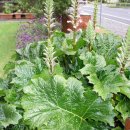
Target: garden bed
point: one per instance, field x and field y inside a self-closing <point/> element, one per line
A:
<point x="4" y="16"/>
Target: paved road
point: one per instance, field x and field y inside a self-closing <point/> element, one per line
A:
<point x="114" y="19"/>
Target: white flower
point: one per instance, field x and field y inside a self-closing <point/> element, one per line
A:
<point x="69" y="30"/>
<point x="74" y="27"/>
<point x="68" y="21"/>
<point x="80" y="21"/>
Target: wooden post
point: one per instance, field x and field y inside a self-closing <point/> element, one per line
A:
<point x="4" y="16"/>
<point x="127" y="124"/>
<point x="83" y="21"/>
<point x="66" y="25"/>
<point x="29" y="16"/>
<point x="17" y="15"/>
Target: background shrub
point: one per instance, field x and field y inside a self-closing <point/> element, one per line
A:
<point x="37" y="6"/>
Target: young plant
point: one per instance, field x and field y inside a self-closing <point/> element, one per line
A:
<point x="90" y="36"/>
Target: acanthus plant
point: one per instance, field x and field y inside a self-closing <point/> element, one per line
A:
<point x="63" y="83"/>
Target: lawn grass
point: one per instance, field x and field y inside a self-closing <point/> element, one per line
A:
<point x="7" y="42"/>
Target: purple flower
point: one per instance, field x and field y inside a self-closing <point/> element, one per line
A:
<point x="32" y="31"/>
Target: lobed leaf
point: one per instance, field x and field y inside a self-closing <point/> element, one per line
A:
<point x="60" y="104"/>
<point x="8" y="115"/>
<point x="123" y="107"/>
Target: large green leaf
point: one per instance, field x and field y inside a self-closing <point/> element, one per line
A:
<point x="13" y="96"/>
<point x="106" y="79"/>
<point x="3" y="86"/>
<point x="107" y="45"/>
<point x="31" y="51"/>
<point x="125" y="89"/>
<point x="8" y="115"/>
<point x="107" y="85"/>
<point x="60" y="104"/>
<point x="91" y="58"/>
<point x="93" y="63"/>
<point x="24" y="72"/>
<point x="24" y="69"/>
<point x="1" y="128"/>
<point x="124" y="107"/>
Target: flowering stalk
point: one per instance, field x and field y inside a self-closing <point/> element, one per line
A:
<point x="95" y="13"/>
<point x="49" y="20"/>
<point x="49" y="57"/>
<point x="74" y="19"/>
<point x="124" y="55"/>
<point x="90" y="35"/>
<point x="49" y="49"/>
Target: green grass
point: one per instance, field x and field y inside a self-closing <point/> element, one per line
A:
<point x="7" y="42"/>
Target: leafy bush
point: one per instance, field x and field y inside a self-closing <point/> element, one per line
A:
<point x="60" y="6"/>
<point x="37" y="6"/>
<point x="12" y="7"/>
<point x="8" y="8"/>
<point x="66" y="82"/>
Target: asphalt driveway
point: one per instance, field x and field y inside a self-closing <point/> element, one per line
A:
<point x="115" y="19"/>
